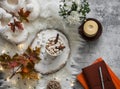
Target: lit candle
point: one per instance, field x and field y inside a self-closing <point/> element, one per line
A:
<point x="3" y="51"/>
<point x="72" y="84"/>
<point x="21" y="46"/>
<point x="8" y="79"/>
<point x="90" y="28"/>
<point x="29" y="87"/>
<point x="1" y="68"/>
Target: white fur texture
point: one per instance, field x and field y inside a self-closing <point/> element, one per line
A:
<point x="49" y="18"/>
<point x="4" y="14"/>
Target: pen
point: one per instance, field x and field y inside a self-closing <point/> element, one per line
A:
<point x="101" y="77"/>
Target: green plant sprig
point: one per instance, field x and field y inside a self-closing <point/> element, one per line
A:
<point x="84" y="9"/>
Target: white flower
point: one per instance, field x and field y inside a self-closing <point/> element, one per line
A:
<point x="69" y="4"/>
<point x="72" y="11"/>
<point x="75" y="14"/>
<point x="78" y="2"/>
<point x="73" y="18"/>
<point x="68" y="7"/>
<point x="61" y="3"/>
<point x="68" y="0"/>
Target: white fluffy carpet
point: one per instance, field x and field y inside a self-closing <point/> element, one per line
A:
<point x="49" y="18"/>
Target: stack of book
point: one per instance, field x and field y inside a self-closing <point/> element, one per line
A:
<point x="98" y="76"/>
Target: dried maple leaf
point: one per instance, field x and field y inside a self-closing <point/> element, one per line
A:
<point x="18" y="24"/>
<point x="15" y="24"/>
<point x="23" y="15"/>
<point x="5" y="58"/>
<point x="25" y="62"/>
<point x="28" y="71"/>
<point x="29" y="75"/>
<point x="33" y="54"/>
<point x="20" y="59"/>
<point x="13" y="64"/>
<point x="12" y="26"/>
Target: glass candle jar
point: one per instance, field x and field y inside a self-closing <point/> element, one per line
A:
<point x="90" y="29"/>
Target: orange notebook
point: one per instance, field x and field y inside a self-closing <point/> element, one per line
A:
<point x="115" y="79"/>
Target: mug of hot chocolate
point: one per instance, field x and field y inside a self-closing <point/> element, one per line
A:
<point x="55" y="46"/>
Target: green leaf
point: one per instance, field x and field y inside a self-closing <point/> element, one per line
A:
<point x="84" y="9"/>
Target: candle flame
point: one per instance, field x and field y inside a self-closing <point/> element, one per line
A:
<point x="8" y="79"/>
<point x="72" y="84"/>
<point x="3" y="51"/>
<point x="1" y="68"/>
<point x="21" y="46"/>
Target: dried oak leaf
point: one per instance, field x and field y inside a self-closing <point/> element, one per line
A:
<point x="23" y="15"/>
<point x="15" y="24"/>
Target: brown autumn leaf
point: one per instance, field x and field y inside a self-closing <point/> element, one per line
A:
<point x="29" y="75"/>
<point x="33" y="54"/>
<point x="5" y="58"/>
<point x="23" y="15"/>
<point x="13" y="64"/>
<point x="15" y="24"/>
<point x="12" y="26"/>
<point x="18" y="24"/>
<point x="25" y="62"/>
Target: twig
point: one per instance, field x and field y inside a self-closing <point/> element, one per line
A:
<point x="57" y="37"/>
<point x="15" y="71"/>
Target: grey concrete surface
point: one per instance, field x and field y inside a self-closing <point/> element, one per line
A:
<point x="108" y="45"/>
